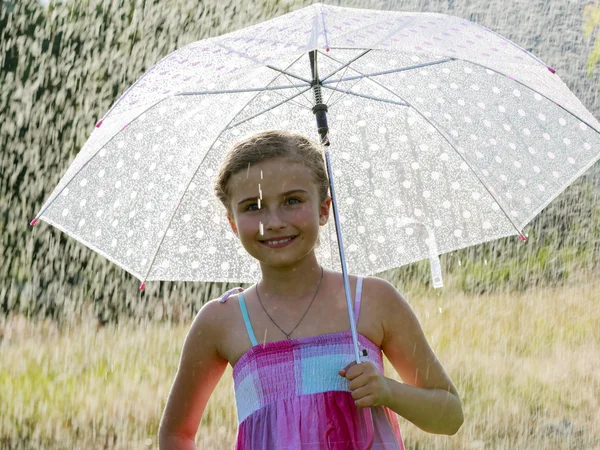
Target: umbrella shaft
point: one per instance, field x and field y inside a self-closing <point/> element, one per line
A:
<point x="343" y="260"/>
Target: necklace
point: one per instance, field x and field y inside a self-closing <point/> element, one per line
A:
<point x="311" y="302"/>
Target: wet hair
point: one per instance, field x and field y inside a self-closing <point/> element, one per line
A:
<point x="265" y="145"/>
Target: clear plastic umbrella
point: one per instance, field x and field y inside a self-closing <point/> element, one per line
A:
<point x="443" y="135"/>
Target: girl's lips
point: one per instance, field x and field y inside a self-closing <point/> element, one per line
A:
<point x="279" y="245"/>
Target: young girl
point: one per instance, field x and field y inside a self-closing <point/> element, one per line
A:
<point x="288" y="336"/>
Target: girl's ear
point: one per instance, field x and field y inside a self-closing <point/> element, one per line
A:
<point x="324" y="211"/>
<point x="232" y="225"/>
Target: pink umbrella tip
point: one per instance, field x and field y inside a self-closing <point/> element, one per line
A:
<point x="551" y="69"/>
<point x="327" y="49"/>
<point x="523" y="237"/>
<point x="33" y="222"/>
<point x="98" y="124"/>
<point x="143" y="286"/>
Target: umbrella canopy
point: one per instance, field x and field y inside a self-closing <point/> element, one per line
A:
<point x="443" y="135"/>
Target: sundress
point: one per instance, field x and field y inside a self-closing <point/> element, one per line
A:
<point x="288" y="393"/>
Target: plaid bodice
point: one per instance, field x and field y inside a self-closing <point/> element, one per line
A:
<point x="283" y="369"/>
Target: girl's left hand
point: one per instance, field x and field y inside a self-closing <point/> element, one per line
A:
<point x="368" y="386"/>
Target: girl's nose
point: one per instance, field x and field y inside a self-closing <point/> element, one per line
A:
<point x="273" y="219"/>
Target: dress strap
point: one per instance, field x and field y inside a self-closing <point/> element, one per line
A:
<point x="357" y="300"/>
<point x="242" y="303"/>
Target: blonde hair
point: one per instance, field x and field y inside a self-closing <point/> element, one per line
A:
<point x="265" y="145"/>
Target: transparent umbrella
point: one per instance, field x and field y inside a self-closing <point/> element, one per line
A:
<point x="443" y="135"/>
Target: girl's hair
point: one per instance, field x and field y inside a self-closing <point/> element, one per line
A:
<point x="265" y="145"/>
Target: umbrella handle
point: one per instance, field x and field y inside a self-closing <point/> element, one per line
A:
<point x="369" y="431"/>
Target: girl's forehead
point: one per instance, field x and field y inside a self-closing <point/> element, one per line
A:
<point x="273" y="175"/>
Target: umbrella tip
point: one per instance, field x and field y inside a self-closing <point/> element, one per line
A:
<point x="551" y="69"/>
<point x="523" y="237"/>
<point x="98" y="124"/>
<point x="327" y="48"/>
<point x="143" y="286"/>
<point x="33" y="222"/>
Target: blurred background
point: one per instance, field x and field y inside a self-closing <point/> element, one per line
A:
<point x="78" y="339"/>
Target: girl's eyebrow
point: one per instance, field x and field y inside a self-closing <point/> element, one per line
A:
<point x="283" y="194"/>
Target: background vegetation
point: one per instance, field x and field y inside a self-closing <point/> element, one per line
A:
<point x="62" y="67"/>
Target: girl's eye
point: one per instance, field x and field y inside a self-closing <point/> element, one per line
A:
<point x="256" y="204"/>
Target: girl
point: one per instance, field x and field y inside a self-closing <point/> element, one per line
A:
<point x="298" y="387"/>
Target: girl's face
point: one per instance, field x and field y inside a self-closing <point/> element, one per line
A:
<point x="289" y="206"/>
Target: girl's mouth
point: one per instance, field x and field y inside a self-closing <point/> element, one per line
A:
<point x="281" y="244"/>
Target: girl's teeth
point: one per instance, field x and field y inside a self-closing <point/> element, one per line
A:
<point x="278" y="242"/>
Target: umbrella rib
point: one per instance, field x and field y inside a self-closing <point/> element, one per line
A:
<point x="385" y="72"/>
<point x="285" y="100"/>
<point x="337" y="84"/>
<point x="237" y="91"/>
<point x="451" y="145"/>
<point x="366" y="96"/>
<point x="288" y="73"/>
<point x="531" y="89"/>
<point x="343" y="64"/>
<point x="298" y="104"/>
<point x="305" y="97"/>
<point x="225" y="128"/>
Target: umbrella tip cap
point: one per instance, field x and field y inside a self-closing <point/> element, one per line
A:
<point x="523" y="237"/>
<point x="33" y="222"/>
<point x="143" y="286"/>
<point x="551" y="69"/>
<point x="98" y="124"/>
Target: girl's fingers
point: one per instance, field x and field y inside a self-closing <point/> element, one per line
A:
<point x="360" y="392"/>
<point x="365" y="402"/>
<point x="358" y="383"/>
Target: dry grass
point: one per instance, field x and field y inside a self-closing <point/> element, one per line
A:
<point x="527" y="367"/>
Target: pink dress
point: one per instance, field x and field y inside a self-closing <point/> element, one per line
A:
<point x="289" y="392"/>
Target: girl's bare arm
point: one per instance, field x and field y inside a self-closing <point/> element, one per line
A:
<point x="427" y="398"/>
<point x="200" y="369"/>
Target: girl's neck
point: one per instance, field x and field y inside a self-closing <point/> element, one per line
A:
<point x="290" y="284"/>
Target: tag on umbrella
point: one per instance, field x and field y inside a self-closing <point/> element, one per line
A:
<point x="434" y="261"/>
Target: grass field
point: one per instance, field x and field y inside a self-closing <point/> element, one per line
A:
<point x="527" y="367"/>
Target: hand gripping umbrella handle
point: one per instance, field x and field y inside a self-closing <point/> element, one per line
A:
<point x="369" y="430"/>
